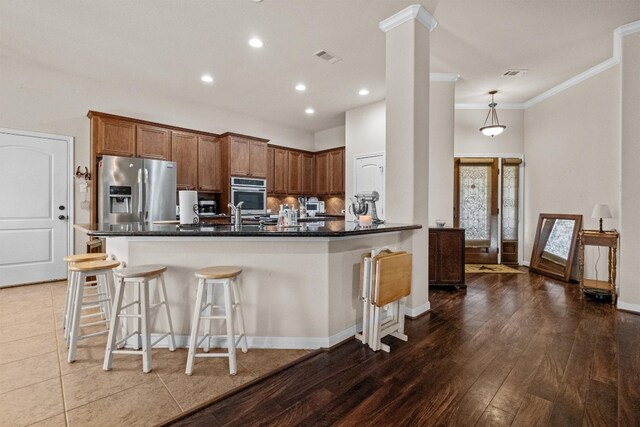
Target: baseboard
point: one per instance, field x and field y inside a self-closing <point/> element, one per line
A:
<point x="417" y="311"/>
<point x="344" y="335"/>
<point x="291" y="343"/>
<point x="633" y="308"/>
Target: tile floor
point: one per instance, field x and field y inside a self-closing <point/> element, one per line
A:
<point x="38" y="386"/>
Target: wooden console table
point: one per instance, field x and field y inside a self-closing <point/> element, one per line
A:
<point x="607" y="239"/>
<point x="446" y="257"/>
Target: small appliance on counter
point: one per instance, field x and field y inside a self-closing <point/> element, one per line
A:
<point x="364" y="204"/>
<point x="207" y="208"/>
<point x="313" y="204"/>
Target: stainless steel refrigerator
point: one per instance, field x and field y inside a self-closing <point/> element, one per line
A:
<point x="136" y="190"/>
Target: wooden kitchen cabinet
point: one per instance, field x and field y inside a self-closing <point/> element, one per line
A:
<point x="209" y="164"/>
<point x="271" y="154"/>
<point x="184" y="151"/>
<point x="280" y="171"/>
<point x="239" y="157"/>
<point x="258" y="159"/>
<point x="308" y="174"/>
<point x="322" y="173"/>
<point x="114" y="137"/>
<point x="294" y="172"/>
<point x="446" y="257"/>
<point x="153" y="142"/>
<point x="329" y="172"/>
<point x="336" y="172"/>
<point x="248" y="157"/>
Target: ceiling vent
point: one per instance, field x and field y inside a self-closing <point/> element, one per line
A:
<point x="327" y="56"/>
<point x="514" y="73"/>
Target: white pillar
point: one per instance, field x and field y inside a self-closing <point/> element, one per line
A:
<point x="629" y="298"/>
<point x="407" y="136"/>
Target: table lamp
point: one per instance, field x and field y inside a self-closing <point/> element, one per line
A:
<point x="601" y="211"/>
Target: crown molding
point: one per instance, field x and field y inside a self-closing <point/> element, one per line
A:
<point x="630" y="28"/>
<point x="618" y="34"/>
<point x="603" y="66"/>
<point x="444" y="77"/>
<point x="486" y="106"/>
<point x="416" y="12"/>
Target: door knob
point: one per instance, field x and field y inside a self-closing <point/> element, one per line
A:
<point x="62" y="217"/>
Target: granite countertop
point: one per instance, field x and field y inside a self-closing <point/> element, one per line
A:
<point x="308" y="229"/>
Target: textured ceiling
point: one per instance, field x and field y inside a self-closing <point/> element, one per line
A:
<point x="165" y="46"/>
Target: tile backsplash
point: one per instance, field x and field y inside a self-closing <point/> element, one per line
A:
<point x="333" y="205"/>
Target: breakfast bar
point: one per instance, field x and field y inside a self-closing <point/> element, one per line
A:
<point x="299" y="285"/>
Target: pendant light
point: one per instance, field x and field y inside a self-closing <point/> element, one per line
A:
<point x="495" y="128"/>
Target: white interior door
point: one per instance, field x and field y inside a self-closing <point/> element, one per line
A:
<point x="34" y="209"/>
<point x="369" y="171"/>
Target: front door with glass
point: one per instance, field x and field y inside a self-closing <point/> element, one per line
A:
<point x="476" y="208"/>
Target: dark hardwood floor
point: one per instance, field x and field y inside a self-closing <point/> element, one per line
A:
<point x="514" y="349"/>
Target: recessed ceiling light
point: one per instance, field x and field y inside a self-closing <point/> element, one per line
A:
<point x="309" y="111"/>
<point x="363" y="92"/>
<point x="257" y="43"/>
<point x="257" y="1"/>
<point x="207" y="78"/>
<point x="300" y="87"/>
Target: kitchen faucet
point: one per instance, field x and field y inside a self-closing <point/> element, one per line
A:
<point x="236" y="212"/>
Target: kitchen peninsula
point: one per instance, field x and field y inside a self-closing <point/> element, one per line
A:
<point x="299" y="285"/>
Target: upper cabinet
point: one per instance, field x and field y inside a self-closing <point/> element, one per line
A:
<point x="308" y="174"/>
<point x="247" y="157"/>
<point x="113" y="137"/>
<point x="239" y="157"/>
<point x="271" y="168"/>
<point x="184" y="151"/>
<point x="330" y="172"/>
<point x="258" y="159"/>
<point x="294" y="172"/>
<point x="153" y="142"/>
<point x="322" y="173"/>
<point x="336" y="172"/>
<point x="209" y="164"/>
<point x="280" y="171"/>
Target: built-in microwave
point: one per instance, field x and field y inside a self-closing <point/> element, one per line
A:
<point x="251" y="191"/>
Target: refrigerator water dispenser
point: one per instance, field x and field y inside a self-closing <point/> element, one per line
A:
<point x="120" y="199"/>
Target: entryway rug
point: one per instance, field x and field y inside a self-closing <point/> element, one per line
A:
<point x="490" y="268"/>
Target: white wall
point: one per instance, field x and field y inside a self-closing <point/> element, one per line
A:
<point x="630" y="176"/>
<point x="46" y="100"/>
<point x="470" y="141"/>
<point x="364" y="133"/>
<point x="441" y="148"/>
<point x="572" y="157"/>
<point x="329" y="138"/>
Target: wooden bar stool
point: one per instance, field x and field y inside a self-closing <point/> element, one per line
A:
<point x="102" y="270"/>
<point x="226" y="277"/>
<point x="140" y="275"/>
<point x="71" y="260"/>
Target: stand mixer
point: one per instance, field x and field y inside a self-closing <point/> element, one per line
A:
<point x="365" y="204"/>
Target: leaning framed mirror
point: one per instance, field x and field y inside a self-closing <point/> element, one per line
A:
<point x="555" y="244"/>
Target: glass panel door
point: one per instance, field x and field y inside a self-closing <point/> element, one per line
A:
<point x="476" y="201"/>
<point x="509" y="214"/>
